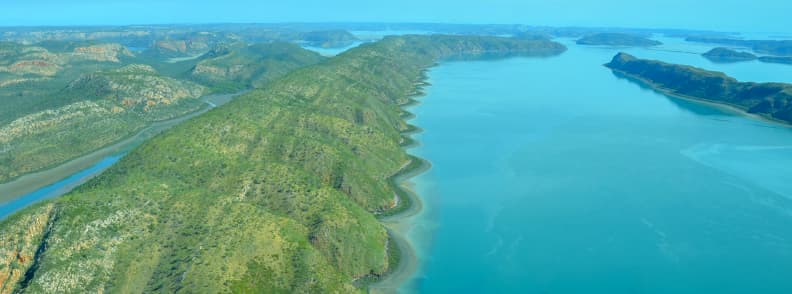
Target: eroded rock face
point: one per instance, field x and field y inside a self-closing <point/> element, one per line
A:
<point x="103" y="53"/>
<point x="27" y="60"/>
<point x="218" y="71"/>
<point x="103" y="107"/>
<point x="136" y="85"/>
<point x="20" y="240"/>
<point x="14" y="81"/>
<point x="37" y="122"/>
<point x="182" y="46"/>
<point x="36" y="67"/>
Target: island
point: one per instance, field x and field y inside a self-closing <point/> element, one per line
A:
<point x="773" y="47"/>
<point x="617" y="39"/>
<point x="727" y="55"/>
<point x="776" y="59"/>
<point x="277" y="191"/>
<point x="769" y="100"/>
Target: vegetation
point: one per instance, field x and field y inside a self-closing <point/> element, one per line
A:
<point x="721" y="54"/>
<point x="329" y="39"/>
<point x="776" y="59"/>
<point x="66" y="99"/>
<point x="617" y="39"/>
<point x="238" y="66"/>
<point x="773" y="47"/>
<point x="771" y="100"/>
<point x="274" y="192"/>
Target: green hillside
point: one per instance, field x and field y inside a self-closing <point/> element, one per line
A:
<point x="66" y="99"/>
<point x="770" y="100"/>
<point x="233" y="67"/>
<point x="100" y="108"/>
<point x="274" y="192"/>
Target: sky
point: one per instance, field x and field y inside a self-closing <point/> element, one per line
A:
<point x="719" y="15"/>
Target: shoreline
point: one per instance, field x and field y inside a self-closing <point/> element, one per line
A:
<point x="34" y="181"/>
<point x="709" y="102"/>
<point x="398" y="218"/>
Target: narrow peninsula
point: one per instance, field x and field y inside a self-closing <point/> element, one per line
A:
<point x="776" y="59"/>
<point x="772" y="47"/>
<point x="769" y="100"/>
<point x="618" y="39"/>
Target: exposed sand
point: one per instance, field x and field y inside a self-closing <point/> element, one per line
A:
<point x="399" y="224"/>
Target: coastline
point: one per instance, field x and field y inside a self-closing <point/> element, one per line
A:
<point x="709" y="102"/>
<point x="31" y="182"/>
<point x="397" y="220"/>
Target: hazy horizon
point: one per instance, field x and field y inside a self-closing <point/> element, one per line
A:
<point x="725" y="16"/>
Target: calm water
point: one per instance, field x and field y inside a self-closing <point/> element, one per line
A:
<point x="58" y="188"/>
<point x="555" y="176"/>
<point x="98" y="160"/>
<point x="329" y="52"/>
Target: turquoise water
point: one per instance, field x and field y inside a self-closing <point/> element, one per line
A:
<point x="329" y="52"/>
<point x="58" y="188"/>
<point x="554" y="175"/>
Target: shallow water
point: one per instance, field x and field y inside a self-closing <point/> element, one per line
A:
<point x="59" y="180"/>
<point x="329" y="52"/>
<point x="58" y="188"/>
<point x="554" y="175"/>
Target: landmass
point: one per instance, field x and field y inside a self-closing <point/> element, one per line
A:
<point x="274" y="192"/>
<point x="773" y="47"/>
<point x="721" y="54"/>
<point x="776" y="59"/>
<point x="617" y="39"/>
<point x="64" y="99"/>
<point x="329" y="39"/>
<point x="769" y="100"/>
<point x="238" y="66"/>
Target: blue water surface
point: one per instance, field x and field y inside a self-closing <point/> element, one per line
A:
<point x="553" y="175"/>
<point x="57" y="188"/>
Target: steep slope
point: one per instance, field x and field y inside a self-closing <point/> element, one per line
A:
<point x="274" y="192"/>
<point x="50" y="120"/>
<point x="771" y="100"/>
<point x="101" y="108"/>
<point x="232" y="67"/>
<point x="29" y="74"/>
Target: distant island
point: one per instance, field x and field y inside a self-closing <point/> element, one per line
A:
<point x="773" y="47"/>
<point x="617" y="39"/>
<point x="722" y="54"/>
<point x="776" y="59"/>
<point x="769" y="100"/>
